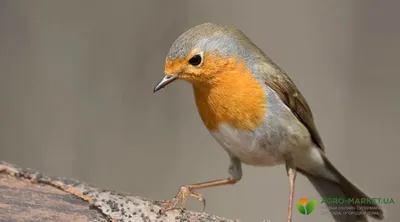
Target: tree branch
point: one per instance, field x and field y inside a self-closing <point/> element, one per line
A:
<point x="26" y="194"/>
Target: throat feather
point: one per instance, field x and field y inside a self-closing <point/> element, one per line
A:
<point x="235" y="98"/>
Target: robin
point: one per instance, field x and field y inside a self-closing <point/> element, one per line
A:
<point x="257" y="114"/>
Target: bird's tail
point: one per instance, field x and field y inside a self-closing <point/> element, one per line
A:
<point x="357" y="204"/>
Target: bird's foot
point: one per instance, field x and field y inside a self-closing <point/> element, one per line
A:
<point x="178" y="202"/>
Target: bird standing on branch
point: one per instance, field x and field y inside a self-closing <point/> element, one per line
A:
<point x="256" y="113"/>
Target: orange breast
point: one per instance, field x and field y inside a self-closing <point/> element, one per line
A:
<point x="235" y="97"/>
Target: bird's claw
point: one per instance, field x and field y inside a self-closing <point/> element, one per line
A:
<point x="180" y="199"/>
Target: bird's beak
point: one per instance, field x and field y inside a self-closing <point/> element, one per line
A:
<point x="165" y="81"/>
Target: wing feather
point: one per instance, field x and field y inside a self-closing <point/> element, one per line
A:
<point x="281" y="83"/>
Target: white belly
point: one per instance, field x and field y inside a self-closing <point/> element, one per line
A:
<point x="247" y="147"/>
<point x="281" y="134"/>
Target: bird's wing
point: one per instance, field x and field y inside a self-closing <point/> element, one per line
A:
<point x="281" y="83"/>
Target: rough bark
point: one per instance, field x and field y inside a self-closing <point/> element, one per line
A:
<point x="27" y="195"/>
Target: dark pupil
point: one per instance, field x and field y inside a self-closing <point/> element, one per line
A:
<point x="195" y="60"/>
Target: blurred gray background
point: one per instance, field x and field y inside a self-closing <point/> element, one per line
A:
<point x="76" y="80"/>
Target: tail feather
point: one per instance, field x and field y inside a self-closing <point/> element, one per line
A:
<point x="328" y="189"/>
<point x="343" y="188"/>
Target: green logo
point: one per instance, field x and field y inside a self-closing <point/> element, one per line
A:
<point x="306" y="207"/>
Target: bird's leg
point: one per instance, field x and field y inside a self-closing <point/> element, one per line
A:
<point x="188" y="191"/>
<point x="235" y="171"/>
<point x="291" y="171"/>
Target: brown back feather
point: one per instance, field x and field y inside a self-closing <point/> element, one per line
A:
<point x="281" y="83"/>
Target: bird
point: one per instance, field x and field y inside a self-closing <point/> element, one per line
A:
<point x="254" y="110"/>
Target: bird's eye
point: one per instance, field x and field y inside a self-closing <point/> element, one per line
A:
<point x="195" y="60"/>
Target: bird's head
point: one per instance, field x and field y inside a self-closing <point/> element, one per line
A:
<point x="200" y="54"/>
